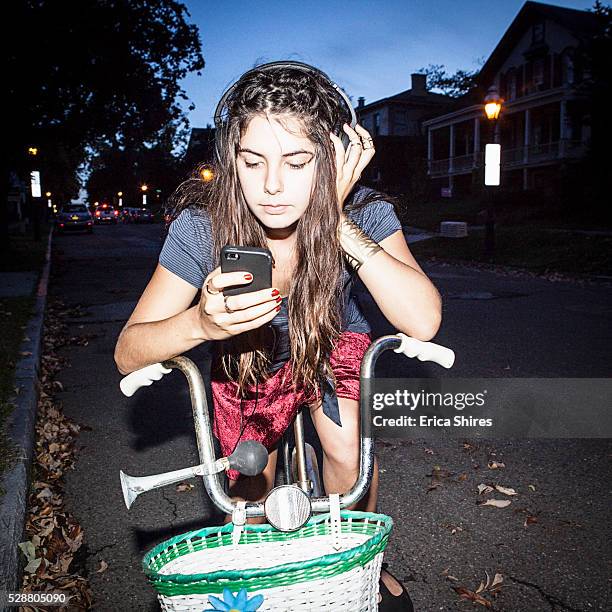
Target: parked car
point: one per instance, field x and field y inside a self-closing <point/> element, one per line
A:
<point x="143" y="215"/>
<point x="74" y="217"/>
<point x="126" y="214"/>
<point x="105" y="213"/>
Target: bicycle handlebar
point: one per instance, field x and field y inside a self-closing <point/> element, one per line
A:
<point x="400" y="343"/>
<point x="142" y="378"/>
<point x="425" y="351"/>
<point x="411" y="347"/>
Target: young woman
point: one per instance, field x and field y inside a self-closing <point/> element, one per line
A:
<point x="283" y="180"/>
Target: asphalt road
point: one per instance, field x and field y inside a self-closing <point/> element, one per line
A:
<point x="498" y="325"/>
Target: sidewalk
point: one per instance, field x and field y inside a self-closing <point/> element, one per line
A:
<point x="20" y="423"/>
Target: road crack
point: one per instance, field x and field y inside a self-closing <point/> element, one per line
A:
<point x="554" y="602"/>
<point x="99" y="550"/>
<point x="172" y="505"/>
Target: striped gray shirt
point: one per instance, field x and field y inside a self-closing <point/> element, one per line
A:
<point x="187" y="251"/>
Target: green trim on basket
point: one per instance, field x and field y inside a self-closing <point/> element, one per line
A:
<point x="325" y="566"/>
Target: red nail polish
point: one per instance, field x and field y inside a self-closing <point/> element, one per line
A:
<point x="275" y="292"/>
<point x="248" y="277"/>
<point x="279" y="299"/>
<point x="277" y="309"/>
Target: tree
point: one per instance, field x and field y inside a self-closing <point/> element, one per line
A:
<point x="455" y="85"/>
<point x="115" y="169"/>
<point x="88" y="74"/>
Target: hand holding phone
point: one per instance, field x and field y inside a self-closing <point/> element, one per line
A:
<point x="238" y="297"/>
<point x="253" y="260"/>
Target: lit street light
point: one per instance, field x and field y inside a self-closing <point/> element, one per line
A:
<point x="35" y="192"/>
<point x="120" y="195"/>
<point x="144" y="188"/>
<point x="207" y="175"/>
<point x="492" y="107"/>
<point x="48" y="194"/>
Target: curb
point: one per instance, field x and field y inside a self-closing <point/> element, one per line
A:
<point x="20" y="431"/>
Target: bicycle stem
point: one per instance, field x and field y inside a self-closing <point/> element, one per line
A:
<point x="213" y="483"/>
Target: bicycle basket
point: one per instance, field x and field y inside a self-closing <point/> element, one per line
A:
<point x="293" y="571"/>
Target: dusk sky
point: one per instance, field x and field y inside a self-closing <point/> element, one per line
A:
<point x="370" y="49"/>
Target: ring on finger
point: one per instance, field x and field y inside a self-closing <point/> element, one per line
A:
<point x="370" y="146"/>
<point x="356" y="142"/>
<point x="207" y="287"/>
<point x="227" y="308"/>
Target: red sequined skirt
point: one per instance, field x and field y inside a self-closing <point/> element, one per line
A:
<point x="277" y="402"/>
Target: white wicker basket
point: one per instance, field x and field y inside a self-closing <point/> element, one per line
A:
<point x="294" y="572"/>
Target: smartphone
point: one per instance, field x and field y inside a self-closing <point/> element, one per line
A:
<point x="256" y="260"/>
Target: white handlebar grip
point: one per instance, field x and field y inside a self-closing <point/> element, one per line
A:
<point x="426" y="351"/>
<point x="142" y="378"/>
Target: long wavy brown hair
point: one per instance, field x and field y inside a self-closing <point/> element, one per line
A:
<point x="315" y="300"/>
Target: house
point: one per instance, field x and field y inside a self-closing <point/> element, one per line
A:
<point x="201" y="147"/>
<point x="543" y="125"/>
<point x="396" y="124"/>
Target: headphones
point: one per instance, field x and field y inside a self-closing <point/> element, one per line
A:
<point x="219" y="119"/>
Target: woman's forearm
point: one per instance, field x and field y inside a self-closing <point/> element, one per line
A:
<point x="407" y="298"/>
<point x="141" y="344"/>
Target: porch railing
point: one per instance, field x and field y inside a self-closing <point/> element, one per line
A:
<point x="510" y="158"/>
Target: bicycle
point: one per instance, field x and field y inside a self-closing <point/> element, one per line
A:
<point x="288" y="508"/>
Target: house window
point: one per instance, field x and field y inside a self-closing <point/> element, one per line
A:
<point x="538" y="33"/>
<point x="538" y="73"/>
<point x="567" y="68"/>
<point x="511" y="85"/>
<point x="376" y="119"/>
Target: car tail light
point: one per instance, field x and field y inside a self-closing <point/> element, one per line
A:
<point x="97" y="213"/>
<point x="116" y="213"/>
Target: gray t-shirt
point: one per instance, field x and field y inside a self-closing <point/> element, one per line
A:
<point x="187" y="251"/>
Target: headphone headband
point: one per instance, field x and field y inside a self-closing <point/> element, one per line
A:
<point x="280" y="64"/>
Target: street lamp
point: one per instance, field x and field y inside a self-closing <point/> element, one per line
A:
<point x="144" y="188"/>
<point x="48" y="194"/>
<point x="492" y="107"/>
<point x="207" y="175"/>
<point x="120" y="195"/>
<point x="493" y="103"/>
<point x="35" y="191"/>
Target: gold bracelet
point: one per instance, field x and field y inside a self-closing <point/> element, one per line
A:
<point x="358" y="247"/>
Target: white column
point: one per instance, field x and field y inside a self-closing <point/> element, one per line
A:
<point x="527" y="136"/>
<point x="476" y="140"/>
<point x="451" y="148"/>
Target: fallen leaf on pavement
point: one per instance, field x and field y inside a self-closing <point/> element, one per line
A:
<point x="505" y="490"/>
<point x="492" y="586"/>
<point x="532" y="487"/>
<point x="184" y="486"/>
<point x="530" y="520"/>
<point x="483" y="489"/>
<point x="447" y="575"/>
<point x="496" y="465"/>
<point x="103" y="567"/>
<point x="497" y="503"/>
<point x="471" y="596"/>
